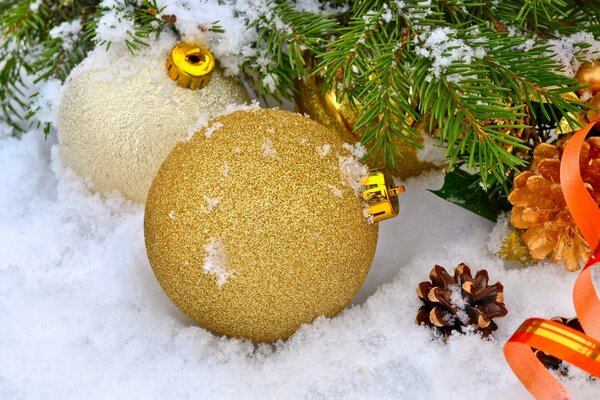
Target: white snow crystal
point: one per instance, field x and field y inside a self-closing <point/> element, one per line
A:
<point x="35" y="5"/>
<point x="203" y="120"/>
<point x="268" y="150"/>
<point x="200" y="123"/>
<point x="208" y="132"/>
<point x="335" y="191"/>
<point x="444" y="49"/>
<point x="499" y="233"/>
<point x="357" y="150"/>
<point x="566" y="49"/>
<point x="225" y="169"/>
<point x="317" y="7"/>
<point x="48" y="100"/>
<point x="253" y="106"/>
<point x="114" y="25"/>
<point x="269" y="81"/>
<point x="324" y="150"/>
<point x="172" y="215"/>
<point x="433" y="150"/>
<point x="68" y="32"/>
<point x="461" y="304"/>
<point x="366" y="213"/>
<point x="211" y="203"/>
<point x="387" y="14"/>
<point x="351" y="168"/>
<point x="215" y="262"/>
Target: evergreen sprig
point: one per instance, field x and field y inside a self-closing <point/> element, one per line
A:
<point x="146" y="17"/>
<point x="381" y="60"/>
<point x="32" y="50"/>
<point x="285" y="35"/>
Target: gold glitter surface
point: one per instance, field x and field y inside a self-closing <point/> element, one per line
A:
<point x="118" y="132"/>
<point x="295" y="249"/>
<point x="341" y="118"/>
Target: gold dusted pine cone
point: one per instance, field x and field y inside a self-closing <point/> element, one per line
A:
<point x="540" y="210"/>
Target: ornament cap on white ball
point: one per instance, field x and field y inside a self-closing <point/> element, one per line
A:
<point x="117" y="131"/>
<point x="191" y="66"/>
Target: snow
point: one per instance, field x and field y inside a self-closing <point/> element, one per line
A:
<point x="225" y="169"/>
<point x="351" y="168"/>
<point x="82" y="316"/>
<point x="46" y="102"/>
<point x="215" y="262"/>
<point x="212" y="129"/>
<point x="68" y="32"/>
<point x="335" y="191"/>
<point x="568" y="50"/>
<point x="115" y="25"/>
<point x="433" y="151"/>
<point x="446" y="50"/>
<point x="461" y="303"/>
<point x="211" y="203"/>
<point x="269" y="81"/>
<point x="323" y="151"/>
<point x="35" y="5"/>
<point x="268" y="150"/>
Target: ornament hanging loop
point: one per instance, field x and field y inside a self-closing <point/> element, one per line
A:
<point x="191" y="66"/>
<point x="381" y="194"/>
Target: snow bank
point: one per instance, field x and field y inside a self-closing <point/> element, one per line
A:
<point x="82" y="316"/>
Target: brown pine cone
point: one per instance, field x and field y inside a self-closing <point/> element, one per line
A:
<point x="552" y="362"/>
<point x="460" y="302"/>
<point x="540" y="210"/>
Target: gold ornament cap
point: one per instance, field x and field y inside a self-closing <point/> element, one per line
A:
<point x="381" y="194"/>
<point x="191" y="66"/>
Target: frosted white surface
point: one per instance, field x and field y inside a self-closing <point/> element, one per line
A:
<point x="82" y="316"/>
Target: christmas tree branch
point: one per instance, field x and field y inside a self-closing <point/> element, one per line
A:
<point x="285" y="34"/>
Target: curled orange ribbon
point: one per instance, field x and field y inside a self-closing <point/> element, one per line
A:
<point x="576" y="348"/>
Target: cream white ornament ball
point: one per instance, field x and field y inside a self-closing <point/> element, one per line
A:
<point x="117" y="128"/>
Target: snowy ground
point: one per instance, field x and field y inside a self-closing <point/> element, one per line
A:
<point x="82" y="316"/>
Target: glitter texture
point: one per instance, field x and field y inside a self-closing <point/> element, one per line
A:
<point x="118" y="132"/>
<point x="298" y="252"/>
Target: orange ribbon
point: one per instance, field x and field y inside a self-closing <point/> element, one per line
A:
<point x="576" y="348"/>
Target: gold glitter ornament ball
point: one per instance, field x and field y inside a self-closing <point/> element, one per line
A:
<point x="118" y="130"/>
<point x="252" y="227"/>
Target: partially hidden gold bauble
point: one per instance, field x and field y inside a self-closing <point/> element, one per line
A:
<point x="118" y="130"/>
<point x="256" y="226"/>
<point x="594" y="112"/>
<point x="589" y="74"/>
<point x="341" y="117"/>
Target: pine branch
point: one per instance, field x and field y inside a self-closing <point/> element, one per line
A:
<point x="37" y="44"/>
<point x="285" y="34"/>
<point x="146" y="19"/>
<point x="469" y="79"/>
<point x="536" y="9"/>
